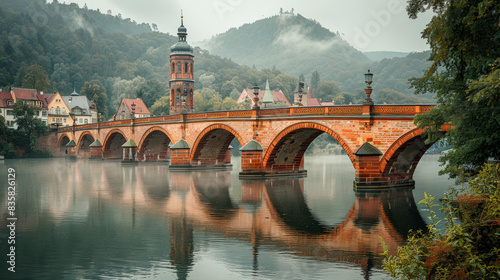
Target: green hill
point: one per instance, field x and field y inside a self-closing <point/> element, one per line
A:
<point x="125" y="65"/>
<point x="296" y="45"/>
<point x="123" y="59"/>
<point x="290" y="42"/>
<point x="379" y="55"/>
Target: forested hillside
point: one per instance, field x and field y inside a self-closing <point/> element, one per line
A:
<point x="296" y="45"/>
<point x="119" y="65"/>
<point x="109" y="58"/>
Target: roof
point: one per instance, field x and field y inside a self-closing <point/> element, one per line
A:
<point x="78" y="101"/>
<point x="129" y="144"/>
<point x="278" y="96"/>
<point x="50" y="96"/>
<point x="4" y="96"/>
<point x="252" y="146"/>
<point x="368" y="149"/>
<point x="96" y="143"/>
<point x="268" y="96"/>
<point x="25" y="93"/>
<point x="43" y="98"/>
<point x="181" y="144"/>
<point x="139" y="105"/>
<point x="310" y="100"/>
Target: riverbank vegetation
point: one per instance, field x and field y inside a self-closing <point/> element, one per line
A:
<point x="22" y="141"/>
<point x="465" y="75"/>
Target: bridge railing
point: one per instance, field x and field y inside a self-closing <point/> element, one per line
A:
<point x="342" y="110"/>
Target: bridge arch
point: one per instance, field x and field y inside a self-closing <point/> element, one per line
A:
<point x="402" y="158"/>
<point x="61" y="143"/>
<point x="212" y="144"/>
<point x="113" y="144"/>
<point x="154" y="144"/>
<point x="288" y="147"/>
<point x="84" y="142"/>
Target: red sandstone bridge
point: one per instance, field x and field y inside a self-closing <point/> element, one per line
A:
<point x="382" y="142"/>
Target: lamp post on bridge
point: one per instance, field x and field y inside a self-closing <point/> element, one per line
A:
<point x="256" y="98"/>
<point x="299" y="91"/>
<point x="368" y="89"/>
<point x="133" y="110"/>
<point x="133" y="116"/>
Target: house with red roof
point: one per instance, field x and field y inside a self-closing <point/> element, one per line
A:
<point x="267" y="97"/>
<point x="308" y="100"/>
<point x="33" y="98"/>
<point x="6" y="110"/>
<point x="131" y="107"/>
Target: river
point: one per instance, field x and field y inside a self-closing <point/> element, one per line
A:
<point x="94" y="219"/>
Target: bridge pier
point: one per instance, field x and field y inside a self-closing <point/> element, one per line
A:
<point x="71" y="149"/>
<point x="180" y="159"/>
<point x="252" y="164"/>
<point x="368" y="174"/>
<point x="96" y="150"/>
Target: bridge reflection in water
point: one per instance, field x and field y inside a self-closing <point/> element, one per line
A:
<point x="270" y="212"/>
<point x="101" y="214"/>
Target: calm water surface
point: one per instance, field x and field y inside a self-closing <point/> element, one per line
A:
<point x="89" y="219"/>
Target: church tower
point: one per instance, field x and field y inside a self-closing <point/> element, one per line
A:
<point x="181" y="74"/>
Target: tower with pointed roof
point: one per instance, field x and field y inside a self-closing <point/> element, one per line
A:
<point x="268" y="96"/>
<point x="181" y="74"/>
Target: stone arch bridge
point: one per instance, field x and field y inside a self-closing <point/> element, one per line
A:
<point x="382" y="142"/>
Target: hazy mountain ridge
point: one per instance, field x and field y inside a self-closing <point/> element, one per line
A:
<point x="75" y="17"/>
<point x="136" y="65"/>
<point x="287" y="41"/>
<point x="296" y="45"/>
<point x="379" y="55"/>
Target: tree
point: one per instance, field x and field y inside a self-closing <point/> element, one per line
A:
<point x="97" y="93"/>
<point x="315" y="79"/>
<point x="327" y="90"/>
<point x="464" y="39"/>
<point x="6" y="147"/>
<point x="29" y="127"/>
<point x="468" y="249"/>
<point x="161" y="107"/>
<point x="36" y="78"/>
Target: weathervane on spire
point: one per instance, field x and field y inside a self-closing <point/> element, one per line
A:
<point x="182" y="18"/>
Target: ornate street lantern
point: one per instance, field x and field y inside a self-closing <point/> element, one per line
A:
<point x="256" y="98"/>
<point x="368" y="89"/>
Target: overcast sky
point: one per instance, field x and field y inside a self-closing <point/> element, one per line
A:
<point x="368" y="25"/>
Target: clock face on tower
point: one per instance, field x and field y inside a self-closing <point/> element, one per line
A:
<point x="181" y="74"/>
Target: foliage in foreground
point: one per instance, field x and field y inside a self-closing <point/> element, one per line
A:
<point x="464" y="39"/>
<point x="470" y="245"/>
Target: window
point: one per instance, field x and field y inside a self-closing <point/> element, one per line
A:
<point x="44" y="113"/>
<point x="64" y="120"/>
<point x="64" y="111"/>
<point x="86" y="121"/>
<point x="58" y="110"/>
<point x="173" y="67"/>
<point x="53" y="119"/>
<point x="186" y="68"/>
<point x="10" y="102"/>
<point x="10" y="113"/>
<point x="80" y="120"/>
